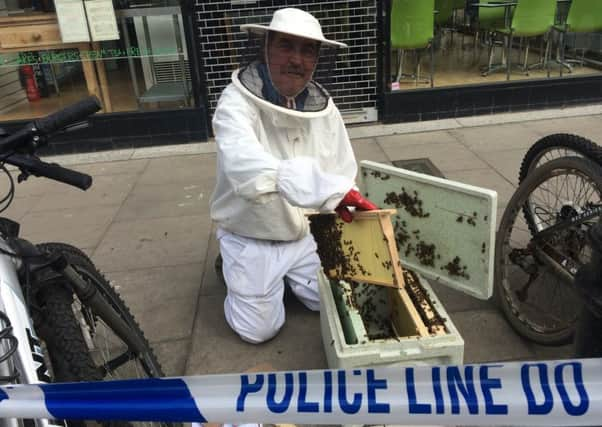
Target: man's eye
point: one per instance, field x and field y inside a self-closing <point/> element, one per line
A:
<point x="308" y="51"/>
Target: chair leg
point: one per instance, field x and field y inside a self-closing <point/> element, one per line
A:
<point x="432" y="64"/>
<point x="526" y="64"/>
<point x="417" y="69"/>
<point x="547" y="55"/>
<point x="508" y="61"/>
<point x="561" y="47"/>
<point x="400" y="64"/>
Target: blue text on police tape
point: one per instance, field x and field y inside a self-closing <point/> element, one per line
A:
<point x="453" y="389"/>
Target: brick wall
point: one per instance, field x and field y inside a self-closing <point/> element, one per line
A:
<point x="351" y="22"/>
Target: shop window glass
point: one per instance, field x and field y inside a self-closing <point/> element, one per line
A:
<point x="146" y="68"/>
<point x="472" y="45"/>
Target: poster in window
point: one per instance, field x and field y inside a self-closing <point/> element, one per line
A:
<point x="101" y="20"/>
<point x="72" y="21"/>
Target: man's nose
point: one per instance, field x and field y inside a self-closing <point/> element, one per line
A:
<point x="296" y="57"/>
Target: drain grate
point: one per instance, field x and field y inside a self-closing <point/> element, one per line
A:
<point x="422" y="165"/>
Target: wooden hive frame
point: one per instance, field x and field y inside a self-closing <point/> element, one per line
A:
<point x="369" y="254"/>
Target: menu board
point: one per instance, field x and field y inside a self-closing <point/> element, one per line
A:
<point x="72" y="21"/>
<point x="101" y="19"/>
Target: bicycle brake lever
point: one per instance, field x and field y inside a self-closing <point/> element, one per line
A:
<point x="22" y="177"/>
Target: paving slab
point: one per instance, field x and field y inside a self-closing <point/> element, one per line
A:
<point x="106" y="190"/>
<point x="166" y="200"/>
<point x="123" y="167"/>
<point x="20" y="206"/>
<point x="586" y="126"/>
<point x="217" y="349"/>
<point x="506" y="163"/>
<point x="488" y="337"/>
<point x="189" y="170"/>
<point x="454" y="301"/>
<point x="212" y="283"/>
<point x="154" y="242"/>
<point x="368" y="149"/>
<point x="163" y="300"/>
<point x="541" y="352"/>
<point x="452" y="156"/>
<point x="172" y="356"/>
<point x="83" y="227"/>
<point x="438" y="137"/>
<point x="496" y="138"/>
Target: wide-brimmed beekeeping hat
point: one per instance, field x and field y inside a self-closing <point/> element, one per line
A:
<point x="295" y="22"/>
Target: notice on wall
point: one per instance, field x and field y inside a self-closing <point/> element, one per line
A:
<point x="102" y="20"/>
<point x="72" y="21"/>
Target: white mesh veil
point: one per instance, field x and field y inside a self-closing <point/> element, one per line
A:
<point x="255" y="76"/>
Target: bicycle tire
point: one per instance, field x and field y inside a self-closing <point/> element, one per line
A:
<point x="563" y="143"/>
<point x="517" y="319"/>
<point x="63" y="333"/>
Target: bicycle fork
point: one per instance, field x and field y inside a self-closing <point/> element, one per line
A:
<point x="88" y="294"/>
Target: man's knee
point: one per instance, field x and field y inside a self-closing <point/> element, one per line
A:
<point x="252" y="324"/>
<point x="259" y="334"/>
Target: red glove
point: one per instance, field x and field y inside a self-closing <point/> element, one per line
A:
<point x="355" y="199"/>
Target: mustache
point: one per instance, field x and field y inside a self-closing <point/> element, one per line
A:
<point x="291" y="69"/>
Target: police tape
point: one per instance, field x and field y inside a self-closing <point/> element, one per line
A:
<point x="565" y="392"/>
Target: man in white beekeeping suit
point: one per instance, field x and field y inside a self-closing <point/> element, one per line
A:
<point x="282" y="149"/>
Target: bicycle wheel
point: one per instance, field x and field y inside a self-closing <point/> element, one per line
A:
<point x="535" y="271"/>
<point x="552" y="147"/>
<point x="80" y="345"/>
<point x="555" y="146"/>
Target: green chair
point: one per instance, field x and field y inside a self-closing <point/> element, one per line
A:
<point x="444" y="11"/>
<point x="490" y="19"/>
<point x="531" y="18"/>
<point x="585" y="16"/>
<point x="412" y="28"/>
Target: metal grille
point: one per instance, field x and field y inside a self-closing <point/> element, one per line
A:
<point x="171" y="71"/>
<point x="353" y="22"/>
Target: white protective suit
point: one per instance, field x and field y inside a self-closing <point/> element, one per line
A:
<point x="273" y="164"/>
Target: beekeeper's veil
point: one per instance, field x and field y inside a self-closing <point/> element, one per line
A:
<point x="288" y="64"/>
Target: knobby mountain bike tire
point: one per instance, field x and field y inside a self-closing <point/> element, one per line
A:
<point x="537" y="295"/>
<point x="79" y="343"/>
<point x="552" y="147"/>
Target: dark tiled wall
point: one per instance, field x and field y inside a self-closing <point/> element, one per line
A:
<point x="352" y="22"/>
<point x="128" y="130"/>
<point x="441" y="103"/>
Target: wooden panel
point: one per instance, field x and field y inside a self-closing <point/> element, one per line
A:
<point x="22" y="36"/>
<point x="368" y="244"/>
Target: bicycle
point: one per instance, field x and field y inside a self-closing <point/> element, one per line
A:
<point x="60" y="318"/>
<point x="539" y="252"/>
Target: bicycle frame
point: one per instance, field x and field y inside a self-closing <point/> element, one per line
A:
<point x="28" y="359"/>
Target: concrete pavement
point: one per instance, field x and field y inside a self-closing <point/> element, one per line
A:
<point x="145" y="223"/>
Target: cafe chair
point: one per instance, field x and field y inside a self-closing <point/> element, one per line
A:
<point x="412" y="28"/>
<point x="489" y="19"/>
<point x="531" y="18"/>
<point x="444" y="10"/>
<point x="585" y="16"/>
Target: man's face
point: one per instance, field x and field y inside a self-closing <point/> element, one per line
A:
<point x="292" y="61"/>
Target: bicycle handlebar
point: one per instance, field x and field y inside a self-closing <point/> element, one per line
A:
<point x="71" y="114"/>
<point x="37" y="167"/>
<point x="43" y="127"/>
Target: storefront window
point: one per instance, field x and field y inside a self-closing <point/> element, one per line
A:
<point x="444" y="43"/>
<point x="145" y="66"/>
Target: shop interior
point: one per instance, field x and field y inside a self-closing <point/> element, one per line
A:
<point x="442" y="43"/>
<point x="147" y="68"/>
